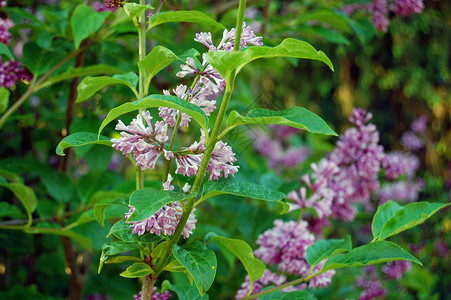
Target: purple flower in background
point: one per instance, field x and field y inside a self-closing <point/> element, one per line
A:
<point x="165" y="220"/>
<point x="371" y="284"/>
<point x="407" y="7"/>
<point x="11" y="72"/>
<point x="380" y="14"/>
<point x="5" y="25"/>
<point x="155" y="295"/>
<point x="398" y="163"/>
<point x="419" y="125"/>
<point x="442" y="248"/>
<point x="108" y="5"/>
<point x="411" y="141"/>
<point x="267" y="279"/>
<point x="400" y="191"/>
<point x="321" y="280"/>
<point x="395" y="269"/>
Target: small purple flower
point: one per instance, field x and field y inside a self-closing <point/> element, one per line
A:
<point x="407" y="7"/>
<point x="395" y="269"/>
<point x="11" y="72"/>
<point x="400" y="191"/>
<point x="380" y="13"/>
<point x="398" y="163"/>
<point x="5" y="25"/>
<point x="155" y="295"/>
<point x="411" y="141"/>
<point x="371" y="284"/>
<point x="419" y="125"/>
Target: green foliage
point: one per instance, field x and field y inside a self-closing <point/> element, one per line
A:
<point x="26" y="196"/>
<point x="391" y="218"/>
<point x="90" y="85"/>
<point x="85" y="21"/>
<point x="81" y="139"/>
<point x="137" y="270"/>
<point x="244" y="189"/>
<point x="200" y="263"/>
<point x="370" y="254"/>
<point x="159" y="58"/>
<point x="183" y="16"/>
<point x="232" y="62"/>
<point x="122" y="231"/>
<point x="4" y="50"/>
<point x="4" y="99"/>
<point x="323" y="249"/>
<point x="135" y="10"/>
<point x="297" y="117"/>
<point x="254" y="267"/>
<point x="295" y="295"/>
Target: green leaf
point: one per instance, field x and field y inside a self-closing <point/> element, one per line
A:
<point x="10" y="211"/>
<point x="135" y="10"/>
<point x="370" y="254"/>
<point x="407" y="217"/>
<point x="4" y="50"/>
<point x="100" y="207"/>
<point x="244" y="189"/>
<point x="191" y="16"/>
<point x="130" y="77"/>
<point x="39" y="60"/>
<point x="83" y="71"/>
<point x="159" y="58"/>
<point x="328" y="17"/>
<point x="26" y="196"/>
<point x="295" y="295"/>
<point x="157" y="101"/>
<point x="81" y="139"/>
<point x="200" y="263"/>
<point x="84" y="21"/>
<point x="382" y="215"/>
<point x="323" y="249"/>
<point x="113" y="248"/>
<point x="228" y="62"/>
<point x="121" y="259"/>
<point x="254" y="267"/>
<point x="148" y="201"/>
<point x="4" y="98"/>
<point x="174" y="266"/>
<point x="90" y="85"/>
<point x="137" y="270"/>
<point x="184" y="289"/>
<point x="297" y="117"/>
<point x="122" y="231"/>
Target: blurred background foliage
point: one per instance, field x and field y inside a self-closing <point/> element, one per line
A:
<point x="399" y="76"/>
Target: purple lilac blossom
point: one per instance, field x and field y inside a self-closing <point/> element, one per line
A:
<point x="5" y="25"/>
<point x="397" y="163"/>
<point x="267" y="279"/>
<point x="140" y="139"/>
<point x="407" y="7"/>
<point x="380" y="10"/>
<point x="155" y="295"/>
<point x="321" y="194"/>
<point x="442" y="248"/>
<point x="395" y="269"/>
<point x="399" y="191"/>
<point x="11" y="72"/>
<point x="358" y="157"/>
<point x="411" y="141"/>
<point x="221" y="161"/>
<point x="371" y="284"/>
<point x="419" y="125"/>
<point x="164" y="221"/>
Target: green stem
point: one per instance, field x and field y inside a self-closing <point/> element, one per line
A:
<point x="208" y="151"/>
<point x="279" y="287"/>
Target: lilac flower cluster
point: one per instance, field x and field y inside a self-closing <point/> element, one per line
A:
<point x="372" y="286"/>
<point x="406" y="190"/>
<point x="395" y="269"/>
<point x="285" y="246"/>
<point x="146" y="142"/>
<point x="348" y="175"/>
<point x="165" y="220"/>
<point x="272" y="147"/>
<point x="108" y="5"/>
<point x="411" y="139"/>
<point x="398" y="163"/>
<point x="155" y="295"/>
<point x="268" y="278"/>
<point x="11" y="72"/>
<point x="5" y="25"/>
<point x="380" y="10"/>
